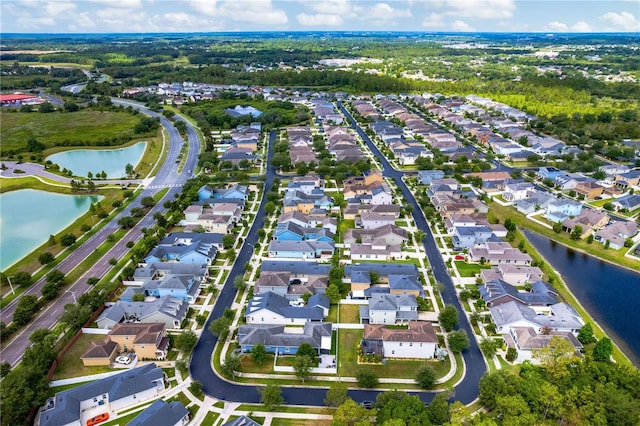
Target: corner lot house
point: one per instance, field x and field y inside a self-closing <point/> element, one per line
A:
<point x="418" y="341"/>
<point x="558" y="317"/>
<point x="269" y="308"/>
<point x="167" y="310"/>
<point x="75" y="406"/>
<point x="161" y="413"/>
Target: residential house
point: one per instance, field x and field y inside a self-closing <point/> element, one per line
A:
<point x="616" y="233"/>
<point x="590" y="190"/>
<point x="456" y="220"/>
<point x="526" y="341"/>
<point x="269" y="308"/>
<point x="147" y="340"/>
<point x="242" y="421"/>
<point x="290" y="231"/>
<point x="628" y="202"/>
<point x="376" y="250"/>
<point x="297" y="269"/>
<point x="277" y="339"/>
<point x="588" y="219"/>
<point x="537" y="200"/>
<point x="162" y="413"/>
<point x="185" y="287"/>
<point x="562" y="208"/>
<point x="389" y="309"/>
<point x="558" y="317"/>
<point x="109" y="395"/>
<point x="496" y="253"/>
<point x="156" y="270"/>
<point x="497" y="292"/>
<point x="284" y="285"/>
<point x="167" y="310"/>
<point x="102" y="353"/>
<point x="304" y="203"/>
<point x="627" y="180"/>
<point x="301" y="249"/>
<point x="517" y="191"/>
<point x="513" y="274"/>
<point x="388" y="234"/>
<point x="405" y="284"/>
<point x="426" y="176"/>
<point x="418" y="341"/>
<point x="197" y="248"/>
<point x="234" y="191"/>
<point x="465" y="237"/>
<point x="549" y="173"/>
<point x="374" y="220"/>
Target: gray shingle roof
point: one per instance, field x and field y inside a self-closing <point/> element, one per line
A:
<point x="542" y="294"/>
<point x="160" y="413"/>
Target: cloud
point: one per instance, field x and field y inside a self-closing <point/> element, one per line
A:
<point x="581" y="27"/>
<point x="384" y="12"/>
<point x="623" y="21"/>
<point x="557" y="26"/>
<point x="329" y="7"/>
<point x="252" y="11"/>
<point x="121" y="4"/>
<point x="459" y="25"/>
<point x="433" y="20"/>
<point x="477" y="9"/>
<point x="58" y="7"/>
<point x="319" y="20"/>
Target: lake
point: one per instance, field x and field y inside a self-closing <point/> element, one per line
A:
<point x="29" y="216"/>
<point x="112" y="161"/>
<point x="611" y="294"/>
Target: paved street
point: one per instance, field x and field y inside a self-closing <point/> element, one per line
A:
<point x="167" y="176"/>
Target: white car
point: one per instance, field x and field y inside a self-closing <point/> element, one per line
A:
<point x="123" y="360"/>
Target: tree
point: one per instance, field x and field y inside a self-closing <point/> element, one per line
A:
<point x="602" y="350"/>
<point x="75" y="315"/>
<point x="366" y="378"/>
<point x="557" y="227"/>
<point x="138" y="297"/>
<point x="576" y="233"/>
<point x="27" y="306"/>
<point x="239" y="283"/>
<point x="228" y="241"/>
<point x="398" y="405"/>
<point x="126" y="222"/>
<point x="230" y="366"/>
<point x="270" y="208"/>
<point x="5" y="368"/>
<point x="585" y="334"/>
<point x="512" y="354"/>
<point x="46" y="107"/>
<point x="128" y="169"/>
<point x="333" y="293"/>
<point x="336" y="395"/>
<point x="349" y="413"/>
<point x="489" y="347"/>
<point x="448" y="317"/>
<point x="55" y="276"/>
<point x="514" y="410"/>
<point x="438" y="409"/>
<point x="67" y="240"/>
<point x="259" y="353"/>
<point x="21" y="279"/>
<point x="557" y="356"/>
<point x="50" y="291"/>
<point x="302" y="365"/>
<point x="185" y="341"/>
<point x="147" y="202"/>
<point x="426" y="377"/>
<point x="71" y="107"/>
<point x="308" y="350"/>
<point x="220" y="327"/>
<point x="271" y="397"/>
<point x="195" y="388"/>
<point x="458" y="341"/>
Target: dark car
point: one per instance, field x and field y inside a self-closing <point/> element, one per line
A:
<point x="367" y="404"/>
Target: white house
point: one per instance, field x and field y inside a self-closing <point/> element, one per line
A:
<point x="559" y="317"/>
<point x="418" y="341"/>
<point x="270" y="308"/>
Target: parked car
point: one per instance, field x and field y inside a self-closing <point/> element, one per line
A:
<point x="367" y="404"/>
<point x="98" y="419"/>
<point x="123" y="359"/>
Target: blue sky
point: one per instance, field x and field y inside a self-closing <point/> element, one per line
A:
<point x="107" y="16"/>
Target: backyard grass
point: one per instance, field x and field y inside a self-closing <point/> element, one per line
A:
<point x="81" y="128"/>
<point x="344" y="225"/>
<point x="468" y="270"/>
<point x="402" y="369"/>
<point x="210" y="419"/>
<point x="71" y="364"/>
<point x="180" y="397"/>
<point x="350" y="314"/>
<point x="248" y="365"/>
<point x="295" y="422"/>
<point x="122" y="421"/>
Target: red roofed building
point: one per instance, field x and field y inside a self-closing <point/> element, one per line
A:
<point x="17" y="98"/>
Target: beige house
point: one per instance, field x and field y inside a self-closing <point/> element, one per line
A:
<point x="148" y="341"/>
<point x="100" y="353"/>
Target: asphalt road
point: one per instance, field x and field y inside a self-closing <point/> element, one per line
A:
<point x="167" y="176"/>
<point x="213" y="385"/>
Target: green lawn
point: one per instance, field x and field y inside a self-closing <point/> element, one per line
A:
<point x="468" y="270"/>
<point x="402" y="369"/>
<point x="210" y="419"/>
<point x="84" y="127"/>
<point x="350" y="314"/>
<point x="71" y="364"/>
<point x="122" y="421"/>
<point x="344" y="225"/>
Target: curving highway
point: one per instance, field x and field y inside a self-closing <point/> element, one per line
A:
<point x="167" y="176"/>
<point x="213" y="385"/>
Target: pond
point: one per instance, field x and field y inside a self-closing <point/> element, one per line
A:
<point x="112" y="161"/>
<point x="608" y="292"/>
<point x="29" y="216"/>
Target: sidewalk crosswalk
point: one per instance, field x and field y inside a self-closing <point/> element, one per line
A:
<point x="174" y="185"/>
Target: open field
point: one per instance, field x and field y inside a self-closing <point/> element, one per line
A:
<point x="81" y="128"/>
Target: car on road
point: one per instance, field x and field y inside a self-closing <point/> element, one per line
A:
<point x="123" y="359"/>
